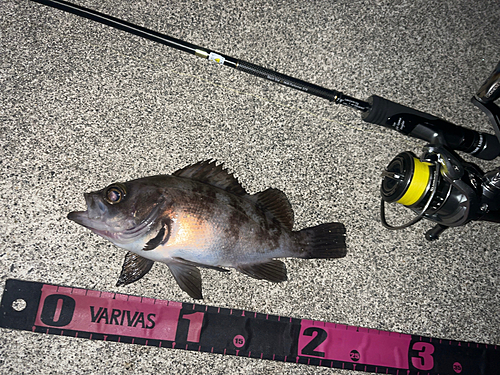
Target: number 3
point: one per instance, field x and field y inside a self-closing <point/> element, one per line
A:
<point x="424" y="361"/>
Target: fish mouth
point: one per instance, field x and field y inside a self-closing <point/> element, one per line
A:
<point x="96" y="218"/>
<point x="95" y="225"/>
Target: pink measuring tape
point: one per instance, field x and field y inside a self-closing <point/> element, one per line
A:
<point x="95" y="315"/>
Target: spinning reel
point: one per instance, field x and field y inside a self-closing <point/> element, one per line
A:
<point x="440" y="186"/>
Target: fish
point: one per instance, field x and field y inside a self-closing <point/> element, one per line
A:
<point x="201" y="216"/>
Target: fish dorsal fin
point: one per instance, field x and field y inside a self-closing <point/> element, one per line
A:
<point x="277" y="204"/>
<point x="210" y="173"/>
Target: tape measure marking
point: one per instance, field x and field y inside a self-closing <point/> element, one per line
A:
<point x="95" y="315"/>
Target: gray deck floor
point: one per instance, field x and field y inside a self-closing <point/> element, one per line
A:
<point x="83" y="105"/>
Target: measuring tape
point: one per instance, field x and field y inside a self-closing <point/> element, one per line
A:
<point x="95" y="315"/>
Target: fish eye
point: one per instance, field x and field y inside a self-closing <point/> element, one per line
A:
<point x="115" y="193"/>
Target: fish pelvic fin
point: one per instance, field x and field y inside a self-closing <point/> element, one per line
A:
<point x="134" y="268"/>
<point x="277" y="204"/>
<point x="322" y="241"/>
<point x="188" y="277"/>
<point x="272" y="270"/>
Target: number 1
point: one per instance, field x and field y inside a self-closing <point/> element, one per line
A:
<point x="195" y="324"/>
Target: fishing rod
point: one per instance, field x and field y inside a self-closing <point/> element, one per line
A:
<point x="440" y="186"/>
<point x="375" y="110"/>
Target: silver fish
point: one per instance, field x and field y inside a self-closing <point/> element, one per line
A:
<point x="200" y="216"/>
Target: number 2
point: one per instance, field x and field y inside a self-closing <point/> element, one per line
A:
<point x="321" y="336"/>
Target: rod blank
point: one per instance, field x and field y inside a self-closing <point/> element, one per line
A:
<point x="332" y="95"/>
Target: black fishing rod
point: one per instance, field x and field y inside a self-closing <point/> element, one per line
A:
<point x="375" y="110"/>
<point x="439" y="186"/>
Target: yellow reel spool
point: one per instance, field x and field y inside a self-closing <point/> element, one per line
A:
<point x="418" y="184"/>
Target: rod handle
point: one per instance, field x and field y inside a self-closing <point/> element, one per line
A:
<point x="430" y="128"/>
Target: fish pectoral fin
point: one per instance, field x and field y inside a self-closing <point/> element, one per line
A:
<point x="188" y="277"/>
<point x="161" y="238"/>
<point x="182" y="260"/>
<point x="272" y="270"/>
<point x="134" y="267"/>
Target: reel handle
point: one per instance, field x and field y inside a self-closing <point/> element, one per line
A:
<point x="490" y="90"/>
<point x="430" y="128"/>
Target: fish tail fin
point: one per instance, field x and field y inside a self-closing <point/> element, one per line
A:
<point x="322" y="241"/>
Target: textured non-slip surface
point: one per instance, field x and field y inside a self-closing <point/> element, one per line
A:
<point x="83" y="105"/>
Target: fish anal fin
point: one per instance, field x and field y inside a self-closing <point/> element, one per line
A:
<point x="277" y="204"/>
<point x="188" y="277"/>
<point x="272" y="270"/>
<point x="210" y="173"/>
<point x="182" y="260"/>
<point x="134" y="267"/>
